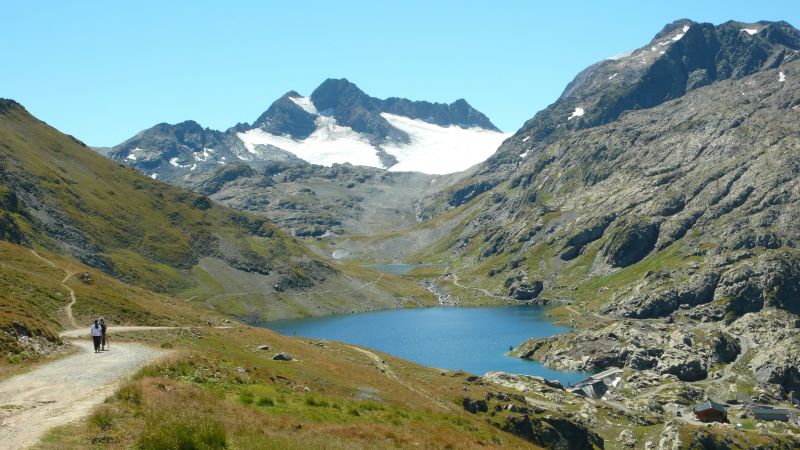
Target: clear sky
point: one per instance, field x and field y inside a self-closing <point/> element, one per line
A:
<point x="104" y="70"/>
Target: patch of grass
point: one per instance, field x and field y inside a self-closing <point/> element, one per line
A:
<point x="246" y="397"/>
<point x="130" y="393"/>
<point x="312" y="400"/>
<point x="180" y="434"/>
<point x="265" y="401"/>
<point x="102" y="418"/>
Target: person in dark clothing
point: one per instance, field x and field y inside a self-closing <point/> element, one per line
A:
<point x="97" y="335"/>
<point x="103" y="328"/>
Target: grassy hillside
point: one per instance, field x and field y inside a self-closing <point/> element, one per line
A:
<point x="33" y="300"/>
<point x="58" y="194"/>
<point x="222" y="392"/>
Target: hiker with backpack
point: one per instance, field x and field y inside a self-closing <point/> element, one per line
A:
<point x="97" y="336"/>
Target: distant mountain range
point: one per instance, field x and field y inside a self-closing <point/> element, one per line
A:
<point x="337" y="123"/>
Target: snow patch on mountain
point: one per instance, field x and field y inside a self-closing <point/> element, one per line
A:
<point x="435" y="149"/>
<point x="330" y="143"/>
<point x="750" y="31"/>
<point x="305" y="103"/>
<point x="577" y="113"/>
<point x="781" y="77"/>
<point x="203" y="157"/>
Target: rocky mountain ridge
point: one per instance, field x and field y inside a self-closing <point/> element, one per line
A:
<point x="337" y="123"/>
<point x="683" y="56"/>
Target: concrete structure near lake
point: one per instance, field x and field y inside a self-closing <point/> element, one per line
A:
<point x="598" y="384"/>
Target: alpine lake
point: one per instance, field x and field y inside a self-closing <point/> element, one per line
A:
<point x="472" y="339"/>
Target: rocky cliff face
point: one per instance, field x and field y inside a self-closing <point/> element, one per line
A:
<point x="659" y="187"/>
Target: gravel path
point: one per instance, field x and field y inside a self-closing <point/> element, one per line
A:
<point x="64" y="391"/>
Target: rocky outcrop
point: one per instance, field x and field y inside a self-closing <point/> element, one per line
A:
<point x="776" y="334"/>
<point x="698" y="288"/>
<point x="467" y="193"/>
<point x="726" y="347"/>
<point x="634" y="345"/>
<point x="552" y="433"/>
<point x="686" y="369"/>
<point x="526" y="291"/>
<point x="223" y="175"/>
<point x="585" y="234"/>
<point x="285" y="117"/>
<point x="772" y="280"/>
<point x="458" y="113"/>
<point x="631" y="241"/>
<point x="475" y="406"/>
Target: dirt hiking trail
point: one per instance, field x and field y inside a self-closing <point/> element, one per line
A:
<point x="64" y="390"/>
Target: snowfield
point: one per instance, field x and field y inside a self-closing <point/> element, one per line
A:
<point x="433" y="149"/>
<point x="436" y="149"/>
<point x="305" y="103"/>
<point x="328" y="144"/>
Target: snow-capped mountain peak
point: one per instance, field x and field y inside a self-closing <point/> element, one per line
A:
<point x="337" y="123"/>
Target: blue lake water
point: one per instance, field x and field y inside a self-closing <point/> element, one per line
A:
<point x="471" y="339"/>
<point x="394" y="269"/>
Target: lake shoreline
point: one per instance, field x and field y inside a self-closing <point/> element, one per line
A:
<point x="474" y="339"/>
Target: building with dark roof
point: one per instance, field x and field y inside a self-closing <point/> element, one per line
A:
<point x="770" y="414"/>
<point x="710" y="411"/>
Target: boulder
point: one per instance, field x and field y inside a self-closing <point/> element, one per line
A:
<point x="282" y="357"/>
<point x="552" y="433"/>
<point x="726" y="347"/>
<point x="686" y="368"/>
<point x="626" y="438"/>
<point x="475" y="406"/>
<point x="526" y="291"/>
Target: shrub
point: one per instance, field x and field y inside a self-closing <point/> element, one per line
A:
<point x="314" y="401"/>
<point x="264" y="401"/>
<point x="103" y="418"/>
<point x="246" y="397"/>
<point x="130" y="393"/>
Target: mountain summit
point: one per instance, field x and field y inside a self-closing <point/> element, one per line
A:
<point x="682" y="57"/>
<point x="337" y="123"/>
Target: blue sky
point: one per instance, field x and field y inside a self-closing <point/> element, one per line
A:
<point x="103" y="71"/>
